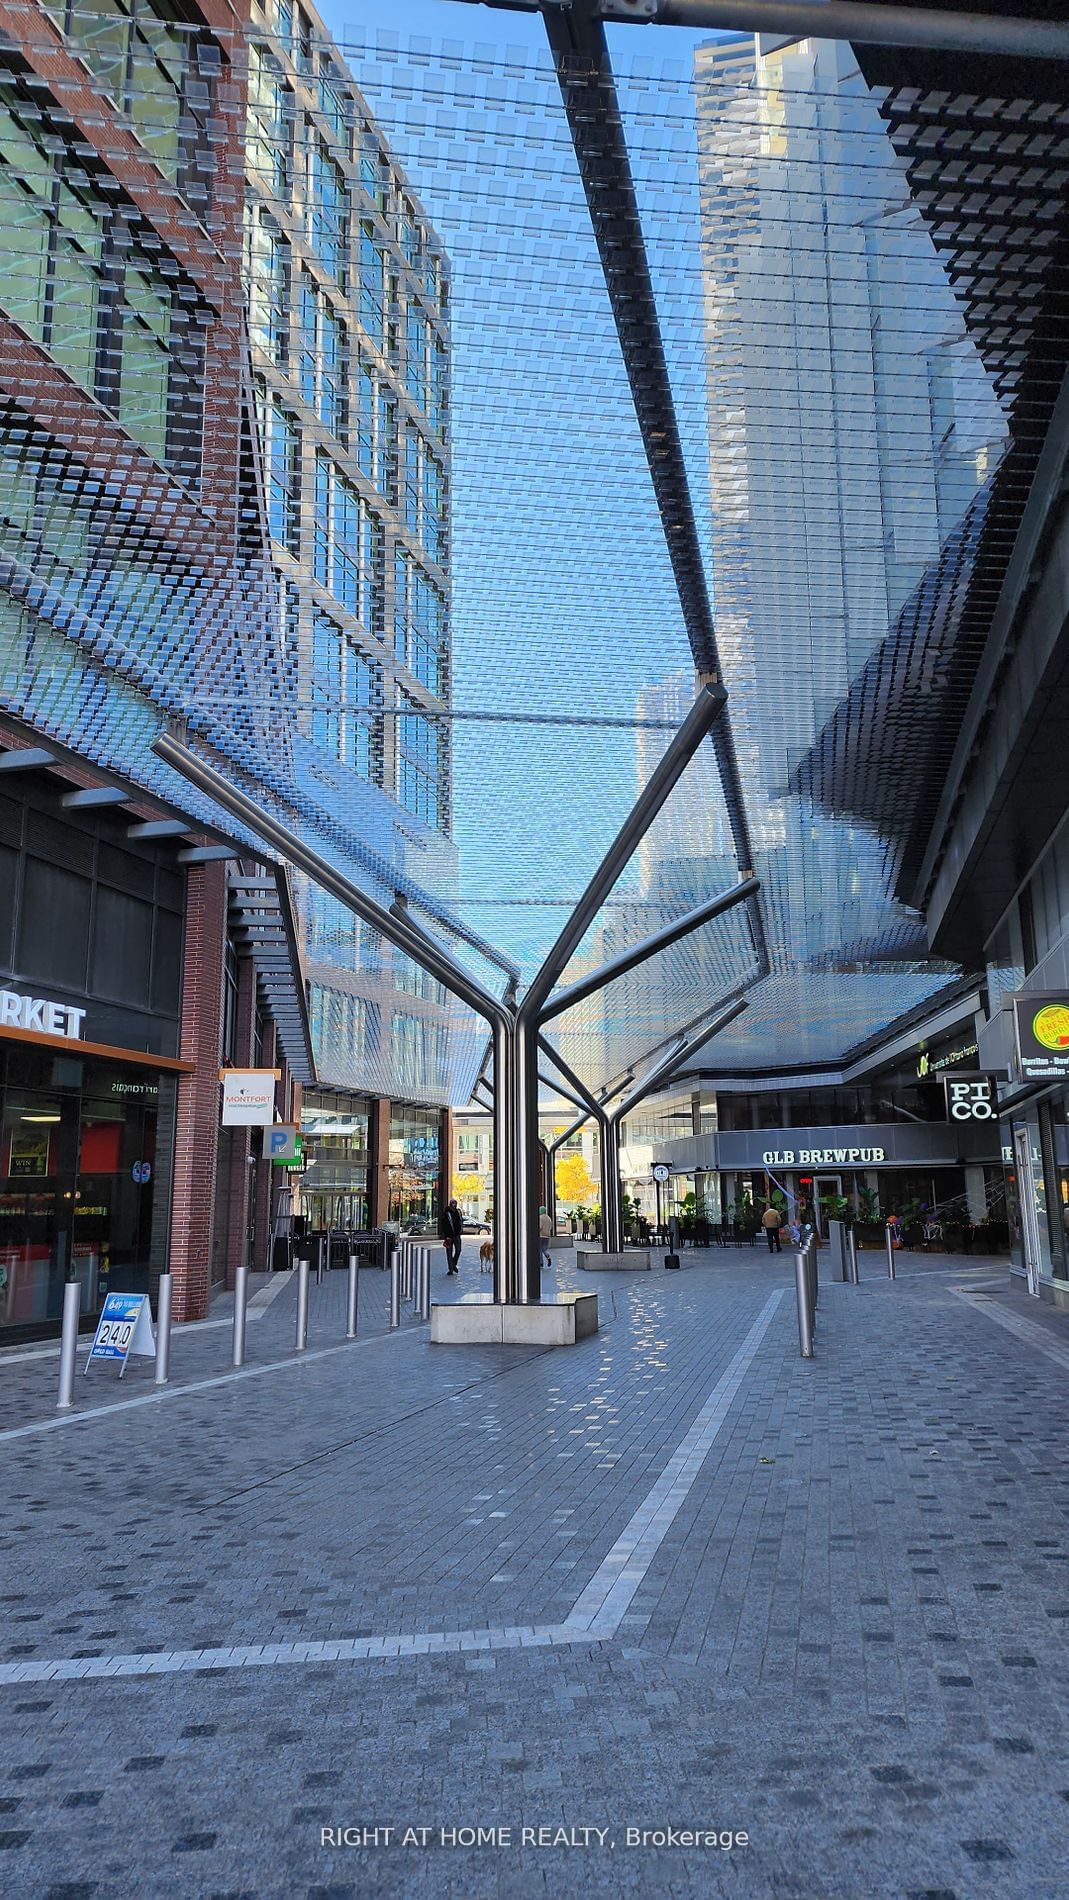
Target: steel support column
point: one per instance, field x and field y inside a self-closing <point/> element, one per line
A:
<point x="670" y="768"/>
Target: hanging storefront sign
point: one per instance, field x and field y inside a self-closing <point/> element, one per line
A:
<point x="1042" y="1024"/>
<point x="40" y="1012"/>
<point x="972" y="1099"/>
<point x="282" y="1144"/>
<point x="248" y="1097"/>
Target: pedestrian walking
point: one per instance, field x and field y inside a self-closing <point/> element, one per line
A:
<point x="452" y="1234"/>
<point x="771" y="1222"/>
<point x="545" y="1234"/>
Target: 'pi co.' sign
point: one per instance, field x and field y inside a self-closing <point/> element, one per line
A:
<point x="971" y="1099"/>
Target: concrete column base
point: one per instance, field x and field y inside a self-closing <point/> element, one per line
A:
<point x="634" y="1260"/>
<point x="550" y="1323"/>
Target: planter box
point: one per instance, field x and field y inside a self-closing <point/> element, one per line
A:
<point x="635" y="1260"/>
<point x="545" y="1323"/>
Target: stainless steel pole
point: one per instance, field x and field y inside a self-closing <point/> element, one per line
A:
<point x="865" y="25"/>
<point x="354" y="1295"/>
<point x="163" y="1329"/>
<point x="890" y="1252"/>
<point x="241" y="1295"/>
<point x="304" y="1269"/>
<point x="801" y="1288"/>
<point x="425" y="1285"/>
<point x="395" y="1290"/>
<point x="68" y="1345"/>
<point x="319" y="1261"/>
<point x="851" y="1241"/>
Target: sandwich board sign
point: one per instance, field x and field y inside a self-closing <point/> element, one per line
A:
<point x="124" y="1327"/>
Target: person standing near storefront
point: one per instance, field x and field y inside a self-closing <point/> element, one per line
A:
<point x="770" y="1221"/>
<point x="453" y="1235"/>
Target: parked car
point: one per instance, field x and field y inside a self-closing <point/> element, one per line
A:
<point x="423" y="1226"/>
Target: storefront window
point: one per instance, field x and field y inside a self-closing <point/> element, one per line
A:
<point x="1026" y="1200"/>
<point x="334" y="1187"/>
<point x="414" y="1164"/>
<point x="77" y="1182"/>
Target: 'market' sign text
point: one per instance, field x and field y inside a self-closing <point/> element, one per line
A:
<point x="37" y="1012"/>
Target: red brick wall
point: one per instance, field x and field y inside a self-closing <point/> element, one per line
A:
<point x="237" y="1199"/>
<point x="197" y="1118"/>
<point x="379" y="1162"/>
<point x="264" y="1170"/>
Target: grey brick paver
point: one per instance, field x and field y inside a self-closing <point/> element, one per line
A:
<point x="751" y="1685"/>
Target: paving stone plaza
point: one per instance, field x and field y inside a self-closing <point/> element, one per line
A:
<point x="674" y="1578"/>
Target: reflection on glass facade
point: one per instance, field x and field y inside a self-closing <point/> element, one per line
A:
<point x="334" y="1185"/>
<point x="415" y="1165"/>
<point x="348" y="286"/>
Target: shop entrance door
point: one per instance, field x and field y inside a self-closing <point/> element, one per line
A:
<point x="1026" y="1201"/>
<point x="826" y="1187"/>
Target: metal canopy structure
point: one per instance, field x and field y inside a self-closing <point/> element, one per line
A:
<point x="751" y="367"/>
<point x="515" y="1026"/>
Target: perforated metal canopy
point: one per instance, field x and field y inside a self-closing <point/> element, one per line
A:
<point x="850" y="432"/>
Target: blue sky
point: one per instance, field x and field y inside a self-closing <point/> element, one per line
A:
<point x="440" y="20"/>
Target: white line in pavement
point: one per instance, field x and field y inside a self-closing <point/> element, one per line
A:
<point x="257" y="1307"/>
<point x="595" y="1617"/>
<point x="200" y="1385"/>
<point x="608" y="1595"/>
<point x="1022" y="1328"/>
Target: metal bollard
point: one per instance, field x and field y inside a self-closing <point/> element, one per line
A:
<point x="811" y="1284"/>
<point x="406" y="1269"/>
<point x="68" y="1346"/>
<point x="354" y="1295"/>
<point x="319" y="1261"/>
<point x="163" y="1329"/>
<point x="241" y="1295"/>
<point x="425" y="1283"/>
<point x="851" y="1244"/>
<point x="890" y="1253"/>
<point x="805" y="1324"/>
<point x="395" y="1291"/>
<point x="304" y="1268"/>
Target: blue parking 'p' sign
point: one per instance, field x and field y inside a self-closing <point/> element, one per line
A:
<point x="124" y="1327"/>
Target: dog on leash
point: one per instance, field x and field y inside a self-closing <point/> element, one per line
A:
<point x="486" y="1257"/>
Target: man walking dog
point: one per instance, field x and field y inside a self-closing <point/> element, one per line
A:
<point x="453" y="1235"/>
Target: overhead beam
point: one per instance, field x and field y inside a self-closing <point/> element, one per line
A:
<point x="865" y="22"/>
<point x="26" y="758"/>
<point x="159" y="828"/>
<point x="94" y="797"/>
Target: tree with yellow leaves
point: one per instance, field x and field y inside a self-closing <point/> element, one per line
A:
<point x="574" y="1184"/>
